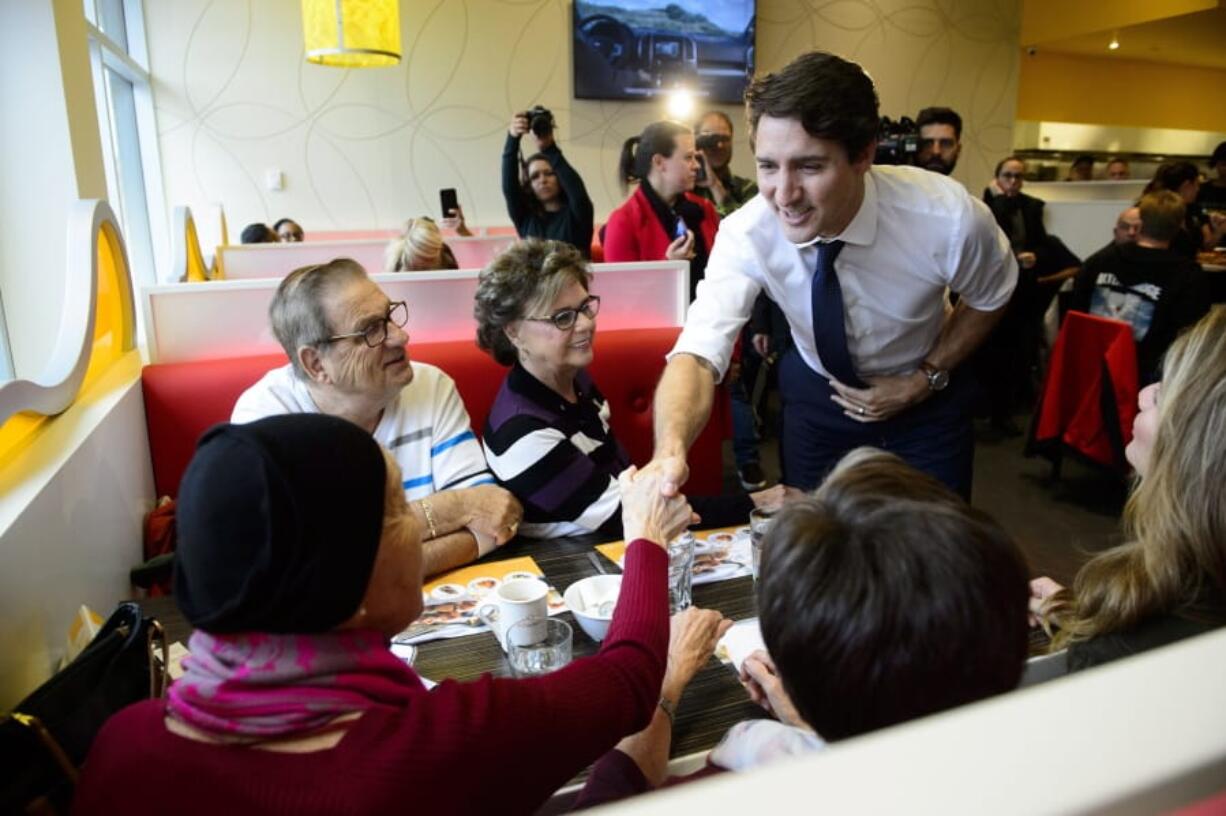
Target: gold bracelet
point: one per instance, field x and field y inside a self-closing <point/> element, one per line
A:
<point x="428" y="512"/>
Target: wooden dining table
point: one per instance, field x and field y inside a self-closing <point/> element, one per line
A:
<point x="713" y="702"/>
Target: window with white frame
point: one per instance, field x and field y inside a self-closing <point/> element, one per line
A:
<point x="124" y="96"/>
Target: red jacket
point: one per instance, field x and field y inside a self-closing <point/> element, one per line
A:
<point x="1090" y="398"/>
<point x="635" y="234"/>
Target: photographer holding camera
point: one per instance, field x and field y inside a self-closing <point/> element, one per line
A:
<point x="713" y="140"/>
<point x="545" y="196"/>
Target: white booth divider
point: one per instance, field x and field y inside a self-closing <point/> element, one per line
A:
<point x="1143" y="735"/>
<point x="389" y="234"/>
<point x="229" y="318"/>
<point x="315" y="236"/>
<point x="1084" y="226"/>
<point x="248" y="261"/>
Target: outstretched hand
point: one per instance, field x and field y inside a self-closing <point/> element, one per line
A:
<point x="671" y="471"/>
<point x="647" y="512"/>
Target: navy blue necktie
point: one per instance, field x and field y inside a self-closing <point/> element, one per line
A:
<point x="829" y="332"/>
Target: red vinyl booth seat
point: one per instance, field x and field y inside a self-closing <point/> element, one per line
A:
<point x="182" y="400"/>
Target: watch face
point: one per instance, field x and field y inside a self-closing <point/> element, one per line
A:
<point x="937" y="380"/>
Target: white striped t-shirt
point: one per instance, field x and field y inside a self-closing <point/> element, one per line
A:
<point x="426" y="427"/>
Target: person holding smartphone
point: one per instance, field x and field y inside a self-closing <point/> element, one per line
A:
<point x="545" y="196"/>
<point x="453" y="214"/>
<point x="662" y="219"/>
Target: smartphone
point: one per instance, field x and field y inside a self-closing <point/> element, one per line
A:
<point x="448" y="201"/>
<point x="701" y="175"/>
<point x="679" y="229"/>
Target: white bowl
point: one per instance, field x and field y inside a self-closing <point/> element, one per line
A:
<point x="597" y="588"/>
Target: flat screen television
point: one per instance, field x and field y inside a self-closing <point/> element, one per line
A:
<point x="639" y="49"/>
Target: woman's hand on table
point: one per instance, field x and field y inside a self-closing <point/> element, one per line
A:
<point x="761" y="679"/>
<point x="693" y="635"/>
<point x="1040" y="590"/>
<point x="646" y="512"/>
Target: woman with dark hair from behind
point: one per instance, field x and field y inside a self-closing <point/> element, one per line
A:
<point x="545" y="197"/>
<point x="1201" y="232"/>
<point x="883" y="598"/>
<point x="1168" y="582"/>
<point x="663" y="219"/>
<point x="258" y="234"/>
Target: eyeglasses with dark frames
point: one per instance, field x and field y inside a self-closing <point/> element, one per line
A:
<point x="376" y="333"/>
<point x="565" y="319"/>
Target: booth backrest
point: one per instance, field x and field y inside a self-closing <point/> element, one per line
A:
<point x="247" y="261"/>
<point x="184" y="399"/>
<point x="206" y="321"/>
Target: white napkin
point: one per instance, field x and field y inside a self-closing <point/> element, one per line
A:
<point x="739" y="642"/>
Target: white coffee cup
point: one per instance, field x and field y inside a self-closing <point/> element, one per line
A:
<point x="512" y="602"/>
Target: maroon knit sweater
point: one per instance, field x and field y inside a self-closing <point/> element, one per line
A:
<point x="492" y="745"/>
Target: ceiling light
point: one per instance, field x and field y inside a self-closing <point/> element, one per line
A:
<point x="680" y="104"/>
<point x="351" y="33"/>
<point x="1115" y="41"/>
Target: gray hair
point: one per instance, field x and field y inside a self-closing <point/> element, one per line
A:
<point x="525" y="278"/>
<point x="297" y="311"/>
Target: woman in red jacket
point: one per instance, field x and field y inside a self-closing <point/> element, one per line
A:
<point x="662" y="219"/>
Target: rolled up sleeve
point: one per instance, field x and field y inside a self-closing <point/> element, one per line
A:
<point x="984" y="269"/>
<point x="723" y="304"/>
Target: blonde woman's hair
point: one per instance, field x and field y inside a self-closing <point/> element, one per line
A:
<point x="1175" y="519"/>
<point x="419" y="247"/>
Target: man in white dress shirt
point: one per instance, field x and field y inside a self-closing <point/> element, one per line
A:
<point x="860" y="259"/>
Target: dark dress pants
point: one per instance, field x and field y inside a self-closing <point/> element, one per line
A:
<point x="935" y="436"/>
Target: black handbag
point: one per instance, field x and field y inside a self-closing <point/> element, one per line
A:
<point x="46" y="737"/>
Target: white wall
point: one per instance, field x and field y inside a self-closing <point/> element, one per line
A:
<point x="70" y="524"/>
<point x="367" y="148"/>
<point x="50" y="155"/>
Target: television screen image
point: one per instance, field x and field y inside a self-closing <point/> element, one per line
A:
<point x="638" y="49"/>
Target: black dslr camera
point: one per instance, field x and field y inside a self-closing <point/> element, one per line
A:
<point x="540" y="121"/>
<point x="897" y="142"/>
<point x="709" y="140"/>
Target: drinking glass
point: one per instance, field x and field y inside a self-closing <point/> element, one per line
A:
<point x="759" y="522"/>
<point x="538" y="646"/>
<point x="680" y="572"/>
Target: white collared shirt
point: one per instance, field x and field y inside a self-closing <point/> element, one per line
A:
<point x="916" y="234"/>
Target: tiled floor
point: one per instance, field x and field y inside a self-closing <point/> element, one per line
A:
<point x="1057" y="523"/>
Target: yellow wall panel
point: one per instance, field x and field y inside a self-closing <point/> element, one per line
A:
<point x="1109" y="91"/>
<point x="1048" y="20"/>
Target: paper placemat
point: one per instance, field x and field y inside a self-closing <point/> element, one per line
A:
<point x="453" y="599"/>
<point x="719" y="555"/>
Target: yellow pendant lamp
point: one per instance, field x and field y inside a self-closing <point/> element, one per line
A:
<point x="352" y="33"/>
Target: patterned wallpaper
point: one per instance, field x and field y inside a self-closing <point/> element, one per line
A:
<point x="368" y="148"/>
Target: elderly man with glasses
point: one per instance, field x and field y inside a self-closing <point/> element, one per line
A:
<point x="348" y="358"/>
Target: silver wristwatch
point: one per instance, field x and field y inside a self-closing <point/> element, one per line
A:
<point x="938" y="378"/>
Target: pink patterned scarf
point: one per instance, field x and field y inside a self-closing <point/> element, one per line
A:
<point x="259" y="686"/>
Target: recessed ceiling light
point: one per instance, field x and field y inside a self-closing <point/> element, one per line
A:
<point x="1115" y="41"/>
